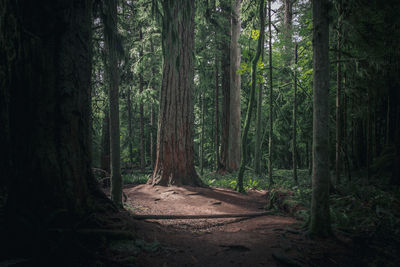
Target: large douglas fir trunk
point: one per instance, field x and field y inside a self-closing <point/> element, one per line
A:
<point x="175" y="153"/>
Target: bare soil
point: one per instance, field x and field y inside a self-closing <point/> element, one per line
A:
<point x="270" y="240"/>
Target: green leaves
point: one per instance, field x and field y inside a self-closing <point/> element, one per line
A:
<point x="255" y="34"/>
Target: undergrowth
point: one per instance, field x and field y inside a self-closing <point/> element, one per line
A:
<point x="135" y="178"/>
<point x="369" y="212"/>
<point x="354" y="207"/>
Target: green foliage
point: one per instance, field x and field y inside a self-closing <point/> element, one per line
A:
<point x="135" y="178"/>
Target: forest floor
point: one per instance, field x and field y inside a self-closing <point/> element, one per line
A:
<point x="270" y="240"/>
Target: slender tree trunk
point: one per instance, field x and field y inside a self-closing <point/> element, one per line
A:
<point x="225" y="87"/>
<point x="295" y="117"/>
<point x="105" y="142"/>
<point x="388" y="121"/>
<point x="234" y="125"/>
<point x="320" y="217"/>
<point x="152" y="117"/>
<point x="175" y="154"/>
<point x="310" y="166"/>
<point x="338" y="99"/>
<point x="257" y="149"/>
<point x="252" y="96"/>
<point x="202" y="136"/>
<point x="130" y="135"/>
<point x="110" y="31"/>
<point x="271" y="181"/>
<point x="287" y="21"/>
<point x="216" y="116"/>
<point x="141" y="114"/>
<point x="345" y="132"/>
<point x="287" y="35"/>
<point x="368" y="126"/>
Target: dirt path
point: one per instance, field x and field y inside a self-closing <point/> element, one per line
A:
<point x="260" y="241"/>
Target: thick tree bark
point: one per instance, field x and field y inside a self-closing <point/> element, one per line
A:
<point x="234" y="123"/>
<point x="45" y="70"/>
<point x="175" y="155"/>
<point x="110" y="31"/>
<point x="320" y="216"/>
<point x="271" y="104"/>
<point x="141" y="113"/>
<point x="252" y="96"/>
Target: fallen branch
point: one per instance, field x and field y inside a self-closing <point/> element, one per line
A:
<point x="200" y="216"/>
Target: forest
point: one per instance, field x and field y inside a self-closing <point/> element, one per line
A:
<point x="200" y="132"/>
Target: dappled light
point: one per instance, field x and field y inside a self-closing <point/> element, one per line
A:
<point x="200" y="133"/>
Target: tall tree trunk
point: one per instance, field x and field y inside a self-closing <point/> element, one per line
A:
<point x="152" y="116"/>
<point x="44" y="118"/>
<point x="294" y="160"/>
<point x="271" y="181"/>
<point x="202" y="136"/>
<point x="141" y="83"/>
<point x="110" y="32"/>
<point x="225" y="116"/>
<point x="252" y="96"/>
<point x="257" y="149"/>
<point x="105" y="142"/>
<point x="130" y="135"/>
<point x="345" y="117"/>
<point x="287" y="35"/>
<point x="234" y="124"/>
<point x="368" y="133"/>
<point x="320" y="217"/>
<point x="287" y="20"/>
<point x="175" y="153"/>
<point x="216" y="116"/>
<point x="338" y="98"/>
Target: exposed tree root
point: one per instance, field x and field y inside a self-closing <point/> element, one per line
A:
<point x="200" y="216"/>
